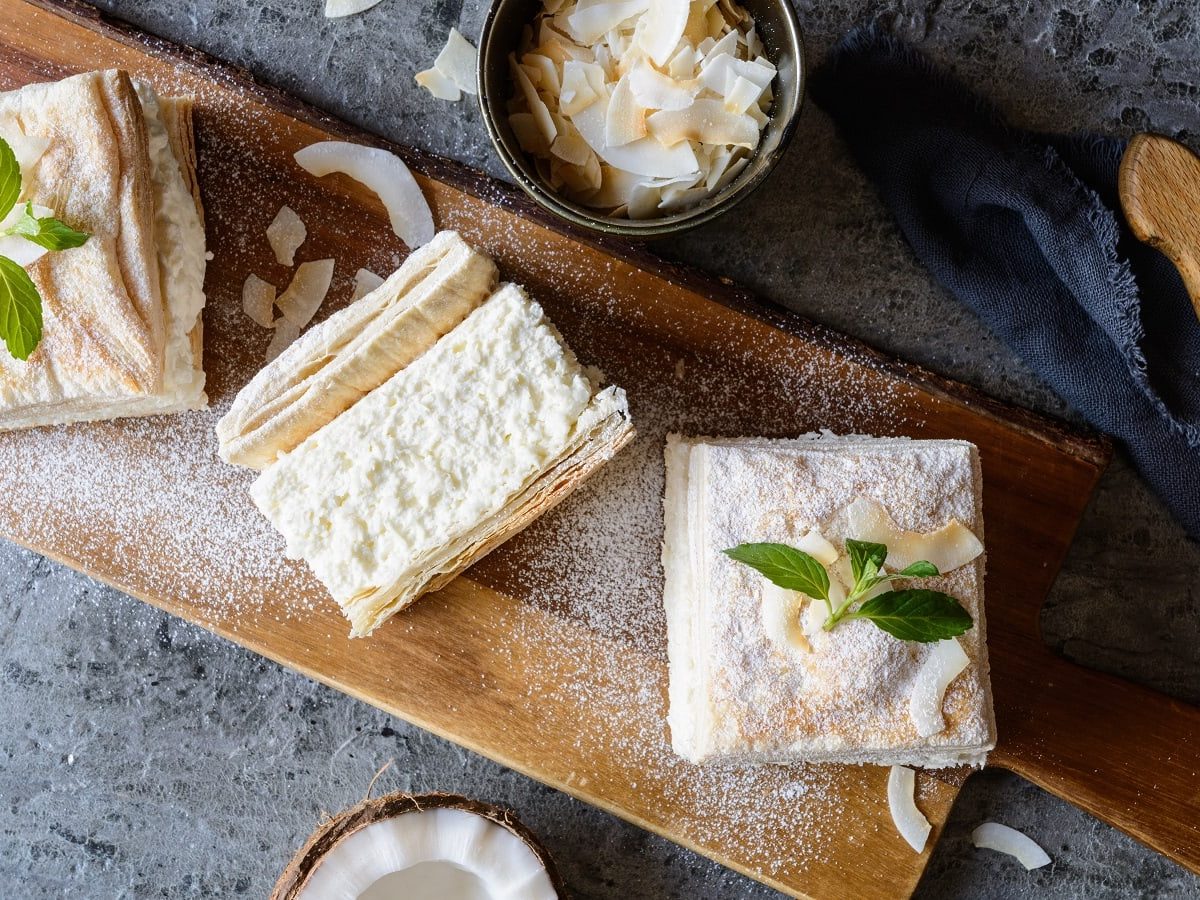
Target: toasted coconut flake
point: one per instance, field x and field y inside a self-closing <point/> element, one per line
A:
<point x="593" y="18"/>
<point x="742" y="95"/>
<point x="661" y="29"/>
<point x="285" y="234"/>
<point x="994" y="836"/>
<point x="386" y="175"/>
<point x="625" y="121"/>
<point x="258" y="301"/>
<point x="438" y="84"/>
<point x="300" y="301"/>
<point x="528" y="134"/>
<point x="707" y="121"/>
<point x="285" y="334"/>
<point x="682" y="63"/>
<point x="365" y="281"/>
<point x="577" y="92"/>
<point x="643" y="157"/>
<point x="913" y="827"/>
<point x="548" y="79"/>
<point x="719" y="74"/>
<point x="949" y="547"/>
<point x="726" y="46"/>
<point x="945" y="662"/>
<point x="336" y="9"/>
<point x="654" y="90"/>
<point x="541" y="114"/>
<point x="570" y="146"/>
<point x="818" y="547"/>
<point x="458" y="61"/>
<point x="615" y="187"/>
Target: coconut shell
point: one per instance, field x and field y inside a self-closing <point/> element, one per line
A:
<point x="341" y="826"/>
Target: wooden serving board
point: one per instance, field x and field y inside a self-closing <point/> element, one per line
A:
<point x="549" y="655"/>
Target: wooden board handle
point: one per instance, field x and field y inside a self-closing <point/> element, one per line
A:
<point x="1126" y="754"/>
<point x="1159" y="183"/>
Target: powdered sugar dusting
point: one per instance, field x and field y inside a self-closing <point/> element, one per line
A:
<point x="148" y="504"/>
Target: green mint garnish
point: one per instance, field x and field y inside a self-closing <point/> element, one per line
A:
<point x="912" y="614"/>
<point x="47" y="231"/>
<point x="20" y="309"/>
<point x="20" y="302"/>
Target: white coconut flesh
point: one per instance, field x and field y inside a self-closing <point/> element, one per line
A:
<point x="434" y="854"/>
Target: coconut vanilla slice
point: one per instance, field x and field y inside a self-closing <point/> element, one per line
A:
<point x="824" y="601"/>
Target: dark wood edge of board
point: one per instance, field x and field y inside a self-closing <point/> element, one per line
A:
<point x="1081" y="443"/>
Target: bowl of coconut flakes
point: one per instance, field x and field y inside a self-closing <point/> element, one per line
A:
<point x="640" y="117"/>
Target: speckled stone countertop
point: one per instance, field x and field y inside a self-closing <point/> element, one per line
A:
<point x="142" y="757"/>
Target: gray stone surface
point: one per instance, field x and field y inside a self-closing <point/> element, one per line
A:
<point x="142" y="757"/>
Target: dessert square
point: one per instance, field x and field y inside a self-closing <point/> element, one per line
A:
<point x="754" y="678"/>
<point x="485" y="431"/>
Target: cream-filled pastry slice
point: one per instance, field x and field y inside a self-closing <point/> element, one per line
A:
<point x="121" y="314"/>
<point x="485" y="431"/>
<point x="754" y="677"/>
<point x="355" y="350"/>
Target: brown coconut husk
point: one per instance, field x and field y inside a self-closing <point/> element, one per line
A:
<point x="341" y="826"/>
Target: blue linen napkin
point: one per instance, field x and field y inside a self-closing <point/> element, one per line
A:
<point x="1026" y="230"/>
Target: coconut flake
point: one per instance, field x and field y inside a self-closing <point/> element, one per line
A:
<point x="643" y="157"/>
<point x="625" y="121"/>
<point x="661" y="29"/>
<point x="541" y="114"/>
<point x="950" y="547"/>
<point x="742" y="95"/>
<point x="592" y="19"/>
<point x="901" y="788"/>
<point x="285" y="334"/>
<point x="654" y="90"/>
<point x="815" y="545"/>
<point x="365" y="281"/>
<point x="458" y="61"/>
<point x="994" y="836"/>
<point x="258" y="301"/>
<point x="577" y="92"/>
<point x="706" y="121"/>
<point x="300" y="301"/>
<point x="382" y="172"/>
<point x="945" y="662"/>
<point x="440" y="85"/>
<point x="285" y="234"/>
<point x="335" y="9"/>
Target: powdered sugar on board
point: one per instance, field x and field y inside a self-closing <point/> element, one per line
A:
<point x="148" y="503"/>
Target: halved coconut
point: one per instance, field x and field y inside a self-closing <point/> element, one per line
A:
<point x="426" y="847"/>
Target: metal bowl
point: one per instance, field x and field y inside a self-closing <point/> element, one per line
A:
<point x="780" y="34"/>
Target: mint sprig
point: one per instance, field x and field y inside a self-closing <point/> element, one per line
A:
<point x="20" y="309"/>
<point x="912" y="614"/>
<point x="20" y="302"/>
<point x="46" y="231"/>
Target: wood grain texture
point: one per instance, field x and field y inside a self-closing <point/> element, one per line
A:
<point x="541" y="685"/>
<point x="1159" y="183"/>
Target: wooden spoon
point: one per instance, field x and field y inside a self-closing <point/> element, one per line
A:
<point x="1159" y="183"/>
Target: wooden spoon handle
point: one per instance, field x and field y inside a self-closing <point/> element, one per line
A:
<point x="1159" y="183"/>
<point x="1128" y="755"/>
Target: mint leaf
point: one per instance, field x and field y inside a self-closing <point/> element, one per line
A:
<point x="47" y="232"/>
<point x="921" y="569"/>
<point x="785" y="566"/>
<point x="864" y="552"/>
<point x="20" y="310"/>
<point x="10" y="179"/>
<point x="916" y="615"/>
